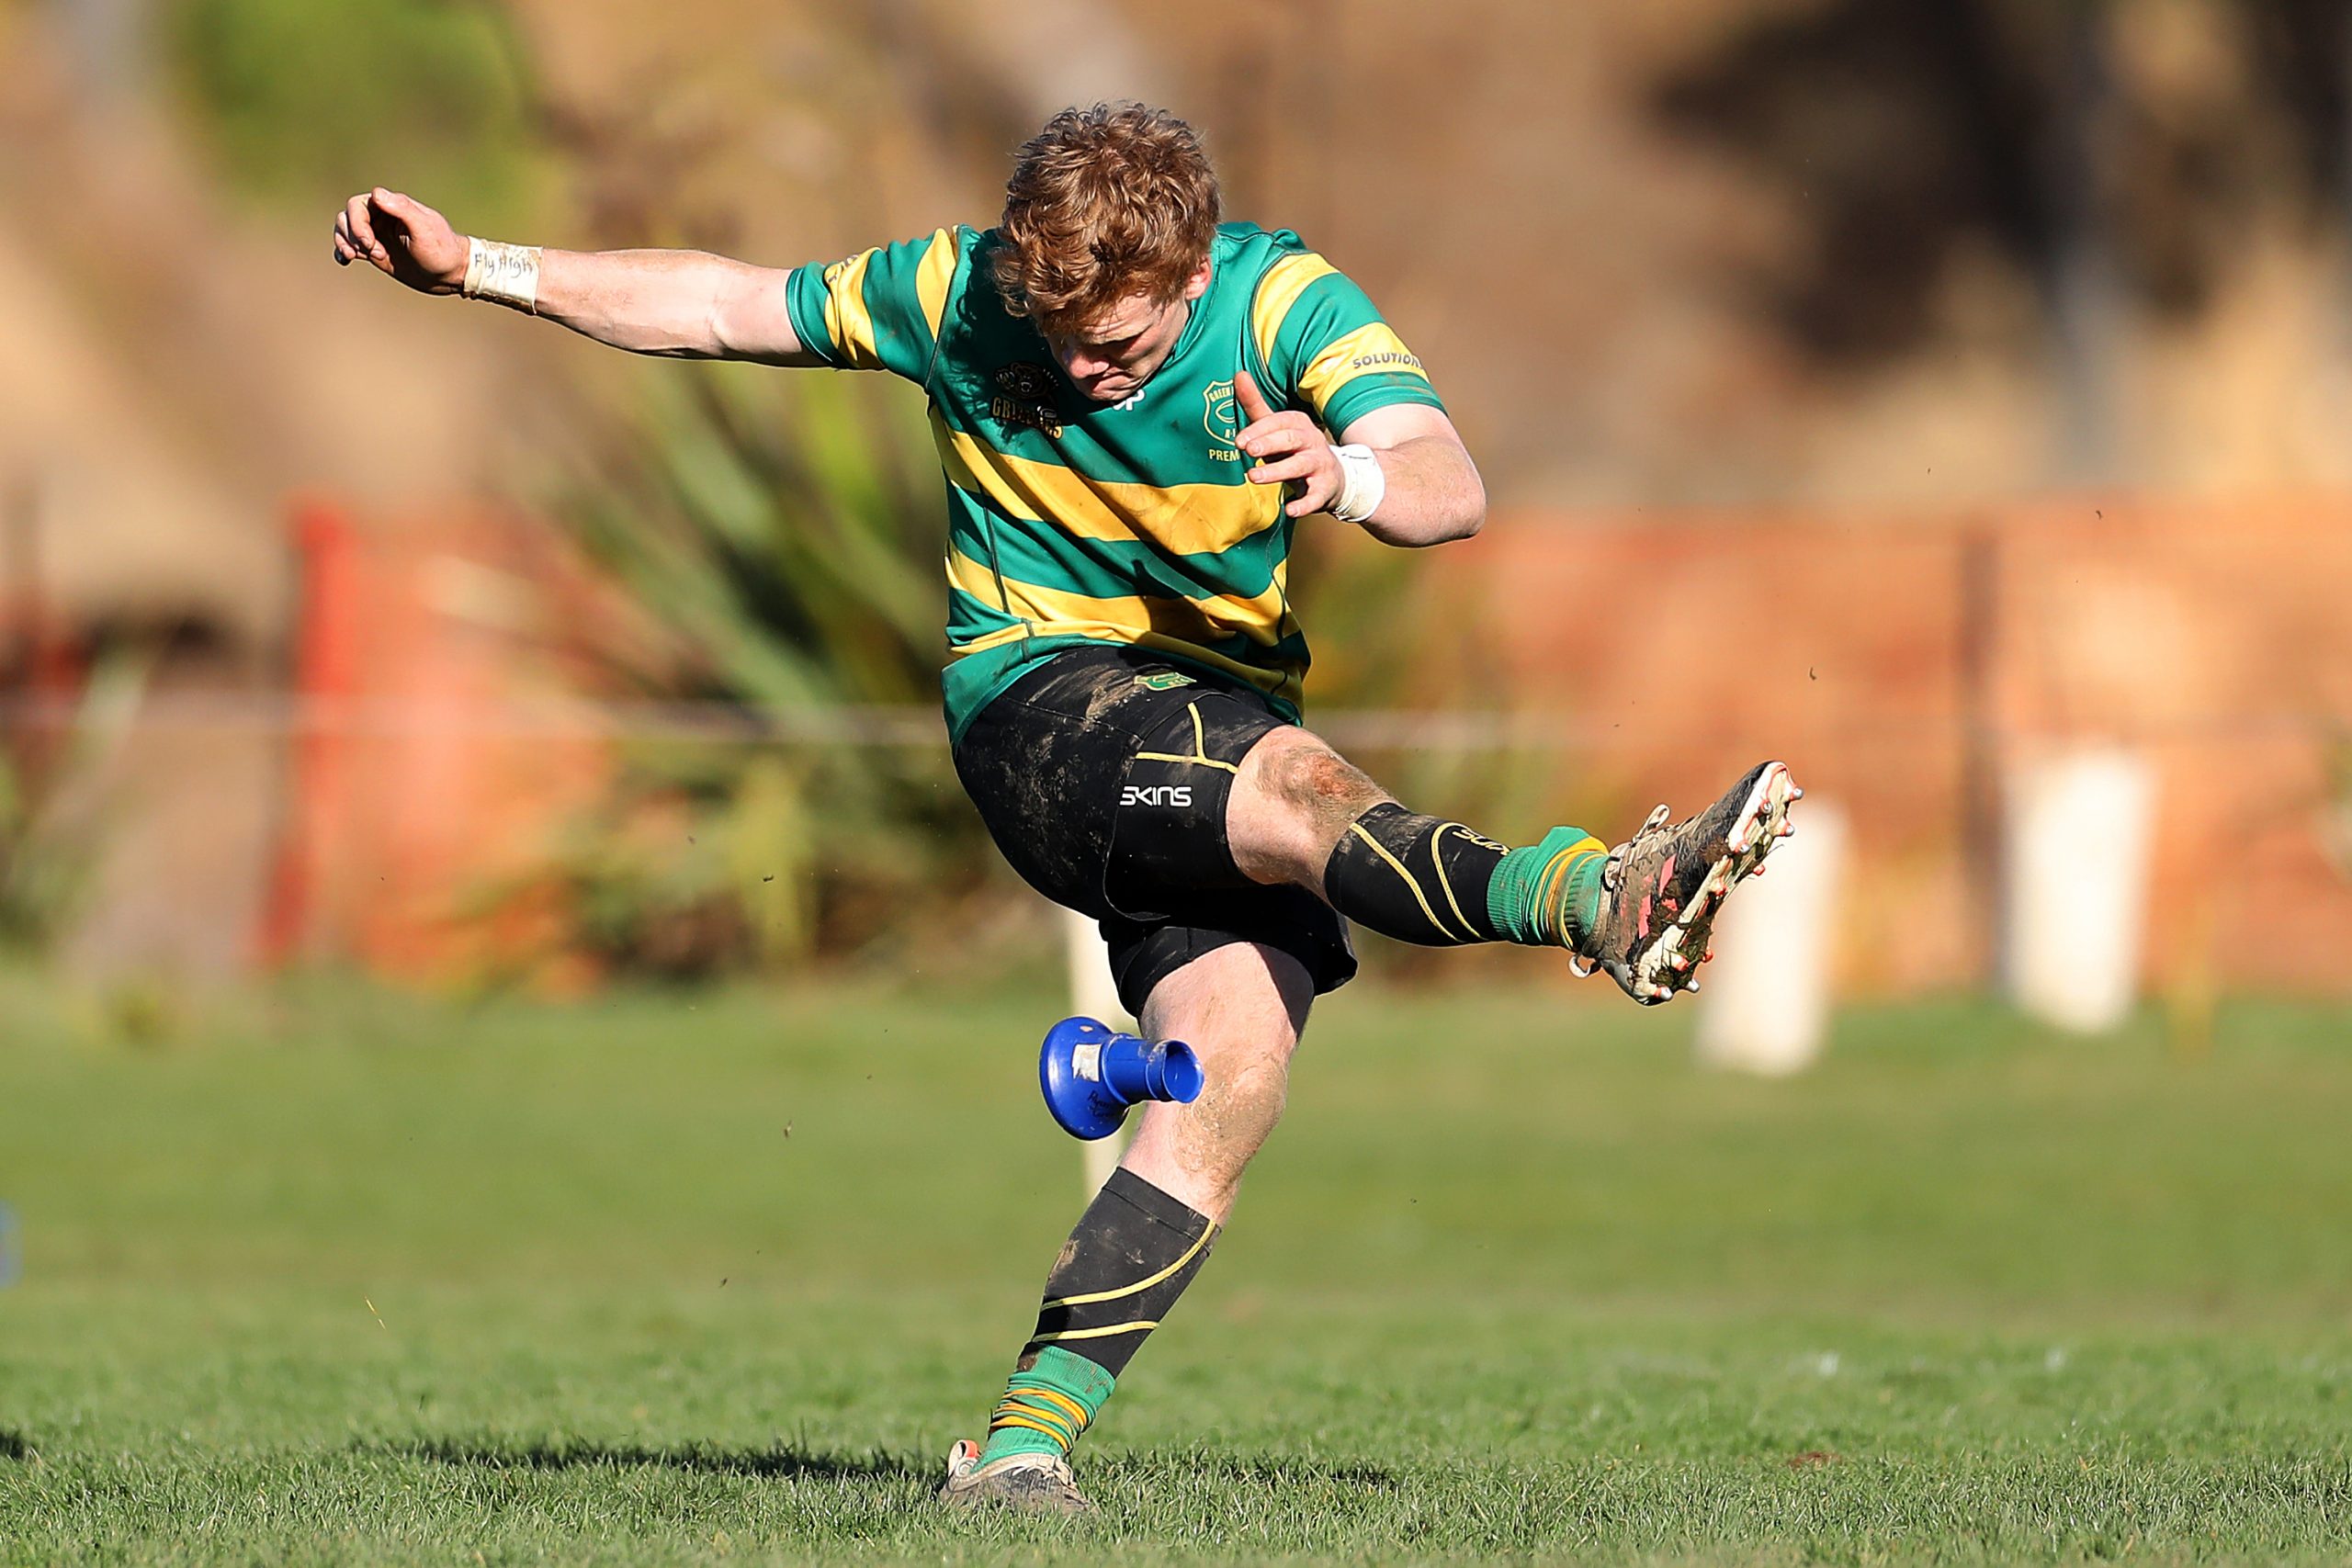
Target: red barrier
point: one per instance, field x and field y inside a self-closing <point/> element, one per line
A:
<point x="422" y="849"/>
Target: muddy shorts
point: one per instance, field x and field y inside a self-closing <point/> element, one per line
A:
<point x="1104" y="774"/>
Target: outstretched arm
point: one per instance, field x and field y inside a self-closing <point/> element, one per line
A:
<point x="1409" y="479"/>
<point x="682" y="304"/>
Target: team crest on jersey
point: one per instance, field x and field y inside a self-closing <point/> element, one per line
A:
<point x="1223" y="422"/>
<point x="1025" y="395"/>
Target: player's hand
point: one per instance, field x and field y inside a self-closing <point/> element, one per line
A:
<point x="401" y="238"/>
<point x="1290" y="448"/>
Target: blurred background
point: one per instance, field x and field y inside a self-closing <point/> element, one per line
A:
<point x="504" y="1011"/>
<point x="1945" y="398"/>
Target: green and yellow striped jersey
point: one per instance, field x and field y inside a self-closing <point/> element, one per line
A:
<point x="1073" y="522"/>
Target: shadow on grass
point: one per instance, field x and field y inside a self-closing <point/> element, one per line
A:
<point x="561" y="1453"/>
<point x="790" y="1462"/>
<point x="14" y="1445"/>
<point x="1266" y="1474"/>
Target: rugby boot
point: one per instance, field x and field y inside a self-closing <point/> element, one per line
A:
<point x="1029" y="1482"/>
<point x="1662" y="889"/>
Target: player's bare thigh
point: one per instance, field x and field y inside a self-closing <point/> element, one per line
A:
<point x="1242" y="1008"/>
<point x="1291" y="799"/>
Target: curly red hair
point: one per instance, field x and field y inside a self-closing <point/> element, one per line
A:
<point x="1105" y="202"/>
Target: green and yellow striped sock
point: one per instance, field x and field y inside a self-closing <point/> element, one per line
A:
<point x="1048" y="1408"/>
<point x="1548" y="894"/>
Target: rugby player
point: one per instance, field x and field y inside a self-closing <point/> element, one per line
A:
<point x="1136" y="405"/>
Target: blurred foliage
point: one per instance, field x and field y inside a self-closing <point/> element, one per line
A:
<point x="52" y="826"/>
<point x="304" y="99"/>
<point x="782" y="531"/>
<point x="780" y="538"/>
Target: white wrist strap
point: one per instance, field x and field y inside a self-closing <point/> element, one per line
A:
<point x="508" y="274"/>
<point x="1361" y="483"/>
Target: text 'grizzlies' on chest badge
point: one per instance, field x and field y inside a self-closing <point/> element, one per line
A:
<point x="1224" y="422"/>
<point x="1025" y="395"/>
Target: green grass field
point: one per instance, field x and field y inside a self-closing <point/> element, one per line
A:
<point x="718" y="1277"/>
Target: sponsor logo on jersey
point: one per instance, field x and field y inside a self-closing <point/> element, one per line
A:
<point x="1024" y="396"/>
<point x="1155" y="795"/>
<point x="1385" y="357"/>
<point x="1223" y="422"/>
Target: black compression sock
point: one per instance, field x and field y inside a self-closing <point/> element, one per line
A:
<point x="1418" y="879"/>
<point x="1133" y="1251"/>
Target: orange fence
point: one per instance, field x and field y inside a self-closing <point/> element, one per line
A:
<point x="438" y="733"/>
<point x="1903" y="670"/>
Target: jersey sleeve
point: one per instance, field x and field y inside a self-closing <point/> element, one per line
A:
<point x="880" y="309"/>
<point x="1326" y="347"/>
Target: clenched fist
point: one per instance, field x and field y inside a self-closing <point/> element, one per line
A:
<point x="402" y="238"/>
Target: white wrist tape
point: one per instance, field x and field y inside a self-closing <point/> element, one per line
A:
<point x="1362" y="484"/>
<point x="508" y="274"/>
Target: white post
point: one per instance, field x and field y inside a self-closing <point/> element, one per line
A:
<point x="2076" y="883"/>
<point x="1094" y="993"/>
<point x="1764" y="1002"/>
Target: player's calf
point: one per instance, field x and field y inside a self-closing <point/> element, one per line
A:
<point x="1242" y="1009"/>
<point x="1145" y="1236"/>
<point x="1128" y="1259"/>
<point x="1435" y="882"/>
<point x="1642" y="912"/>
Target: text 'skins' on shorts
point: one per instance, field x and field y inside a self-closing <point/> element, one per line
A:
<point x="1104" y="776"/>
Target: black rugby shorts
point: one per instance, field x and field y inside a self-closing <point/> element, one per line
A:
<point x="1102" y="776"/>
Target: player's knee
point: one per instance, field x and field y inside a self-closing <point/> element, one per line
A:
<point x="1246" y="1074"/>
<point x="1298" y="798"/>
<point x="1242" y="1008"/>
<point x="1310" y="778"/>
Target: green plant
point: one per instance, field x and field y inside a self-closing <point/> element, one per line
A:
<point x="779" y="539"/>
